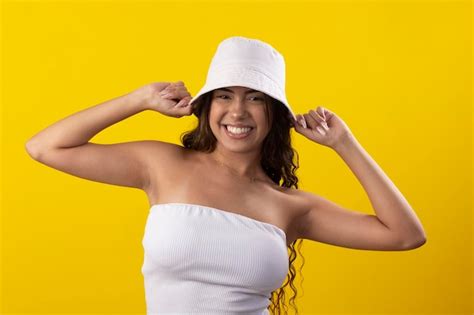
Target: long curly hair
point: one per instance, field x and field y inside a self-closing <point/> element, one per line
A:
<point x="277" y="162"/>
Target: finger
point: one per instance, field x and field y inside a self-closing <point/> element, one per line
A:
<point x="312" y="123"/>
<point x="179" y="93"/>
<point x="167" y="95"/>
<point x="327" y="113"/>
<point x="299" y="128"/>
<point x="296" y="122"/>
<point x="320" y="130"/>
<point x="307" y="132"/>
<point x="173" y="86"/>
<point x="320" y="111"/>
<point x="184" y="102"/>
<point x="181" y="103"/>
<point x="319" y="119"/>
<point x="300" y="121"/>
<point x="316" y="116"/>
<point x="172" y="103"/>
<point x="325" y="126"/>
<point x="190" y="109"/>
<point x="172" y="93"/>
<point x="183" y="91"/>
<point x="166" y="90"/>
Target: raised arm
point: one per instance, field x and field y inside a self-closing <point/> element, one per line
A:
<point x="394" y="226"/>
<point x="65" y="144"/>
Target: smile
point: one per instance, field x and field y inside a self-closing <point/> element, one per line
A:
<point x="237" y="133"/>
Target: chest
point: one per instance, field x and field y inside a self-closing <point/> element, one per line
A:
<point x="193" y="181"/>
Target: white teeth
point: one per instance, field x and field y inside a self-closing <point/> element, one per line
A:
<point x="238" y="130"/>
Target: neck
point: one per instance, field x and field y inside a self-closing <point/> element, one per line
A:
<point x="245" y="164"/>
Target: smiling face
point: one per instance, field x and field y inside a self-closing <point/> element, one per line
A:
<point x="242" y="107"/>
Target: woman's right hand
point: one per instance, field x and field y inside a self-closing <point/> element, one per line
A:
<point x="168" y="98"/>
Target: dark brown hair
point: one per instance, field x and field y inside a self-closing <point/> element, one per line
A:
<point x="277" y="162"/>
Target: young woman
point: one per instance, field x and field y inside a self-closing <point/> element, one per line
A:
<point x="225" y="206"/>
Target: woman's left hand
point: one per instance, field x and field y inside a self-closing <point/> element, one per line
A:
<point x="323" y="127"/>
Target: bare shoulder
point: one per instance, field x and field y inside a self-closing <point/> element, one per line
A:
<point x="166" y="163"/>
<point x="162" y="148"/>
<point x="160" y="154"/>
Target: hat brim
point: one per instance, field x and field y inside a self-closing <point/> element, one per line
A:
<point x="246" y="77"/>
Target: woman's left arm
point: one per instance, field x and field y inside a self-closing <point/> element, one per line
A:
<point x="390" y="206"/>
<point x="392" y="209"/>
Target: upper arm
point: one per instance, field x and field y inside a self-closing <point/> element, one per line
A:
<point x="326" y="222"/>
<point x="123" y="164"/>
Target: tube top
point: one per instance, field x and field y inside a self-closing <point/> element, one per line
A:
<point x="199" y="259"/>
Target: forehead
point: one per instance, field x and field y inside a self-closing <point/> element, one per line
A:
<point x="237" y="89"/>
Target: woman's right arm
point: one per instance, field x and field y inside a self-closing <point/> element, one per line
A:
<point x="77" y="129"/>
<point x="65" y="144"/>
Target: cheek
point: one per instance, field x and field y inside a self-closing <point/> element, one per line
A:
<point x="263" y="121"/>
<point x="215" y="112"/>
<point x="213" y="116"/>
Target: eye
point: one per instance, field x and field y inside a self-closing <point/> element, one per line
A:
<point x="252" y="97"/>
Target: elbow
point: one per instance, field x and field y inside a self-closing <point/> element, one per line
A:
<point x="415" y="243"/>
<point x="414" y="238"/>
<point x="32" y="150"/>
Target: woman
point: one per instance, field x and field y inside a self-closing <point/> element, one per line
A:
<point x="225" y="206"/>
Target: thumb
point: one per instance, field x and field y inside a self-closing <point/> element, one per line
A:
<point x="184" y="102"/>
<point x="185" y="107"/>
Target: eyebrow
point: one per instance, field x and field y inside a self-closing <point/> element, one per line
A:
<point x="229" y="90"/>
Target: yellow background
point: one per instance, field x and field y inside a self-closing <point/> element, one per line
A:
<point x="397" y="72"/>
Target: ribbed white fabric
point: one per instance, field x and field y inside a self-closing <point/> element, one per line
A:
<point x="204" y="260"/>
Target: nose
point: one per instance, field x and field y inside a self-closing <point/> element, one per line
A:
<point x="238" y="107"/>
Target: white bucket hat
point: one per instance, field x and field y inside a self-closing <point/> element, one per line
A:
<point x="251" y="63"/>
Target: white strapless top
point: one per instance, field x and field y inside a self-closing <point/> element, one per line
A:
<point x="200" y="259"/>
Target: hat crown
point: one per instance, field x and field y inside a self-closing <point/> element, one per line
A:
<point x="248" y="62"/>
<point x="238" y="51"/>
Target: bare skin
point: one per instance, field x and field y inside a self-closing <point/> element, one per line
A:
<point x="188" y="181"/>
<point x="169" y="173"/>
<point x="196" y="178"/>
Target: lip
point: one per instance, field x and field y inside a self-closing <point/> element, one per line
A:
<point x="232" y="136"/>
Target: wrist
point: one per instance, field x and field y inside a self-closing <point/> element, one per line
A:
<point x="139" y="99"/>
<point x="345" y="142"/>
